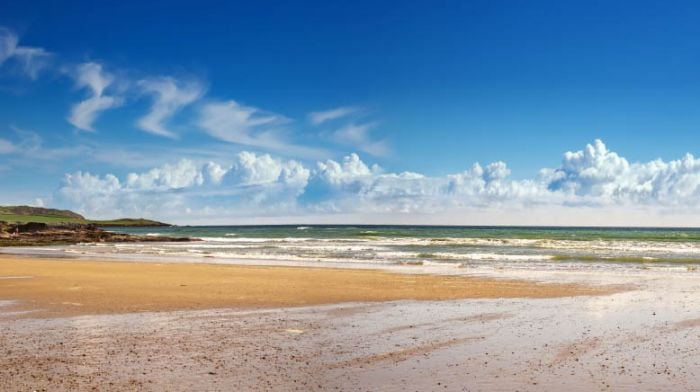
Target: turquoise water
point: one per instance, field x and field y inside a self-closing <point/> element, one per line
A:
<point x="436" y="232"/>
<point x="427" y="245"/>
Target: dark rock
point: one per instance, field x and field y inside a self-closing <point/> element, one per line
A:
<point x="34" y="233"/>
<point x="32" y="227"/>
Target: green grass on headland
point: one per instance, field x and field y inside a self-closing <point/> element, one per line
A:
<point x="127" y="222"/>
<point x="40" y="211"/>
<point x="25" y="214"/>
<point x="14" y="218"/>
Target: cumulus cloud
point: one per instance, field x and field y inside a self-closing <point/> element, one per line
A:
<point x="155" y="191"/>
<point x="253" y="169"/>
<point x="361" y="188"/>
<point x="90" y="193"/>
<point x="184" y="174"/>
<point x="352" y="169"/>
<point x="592" y="177"/>
<point x="171" y="188"/>
<point x="169" y="97"/>
<point x="214" y="172"/>
<point x="259" y="184"/>
<point x="29" y="59"/>
<point x="596" y="175"/>
<point x="91" y="76"/>
<point x="318" y="118"/>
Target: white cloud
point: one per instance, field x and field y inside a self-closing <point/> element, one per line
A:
<point x="235" y="123"/>
<point x="317" y="118"/>
<point x="253" y="183"/>
<point x="263" y="183"/>
<point x="354" y="133"/>
<point x="352" y="169"/>
<point x="358" y="136"/>
<point x="359" y="188"/>
<point x="253" y="169"/>
<point x="7" y="147"/>
<point x="184" y="174"/>
<point x="154" y="192"/>
<point x="30" y="59"/>
<point x="27" y="142"/>
<point x="214" y="172"/>
<point x="27" y="149"/>
<point x="593" y="179"/>
<point x="599" y="176"/>
<point x="92" y="77"/>
<point x="91" y="194"/>
<point x="8" y="43"/>
<point x="170" y="96"/>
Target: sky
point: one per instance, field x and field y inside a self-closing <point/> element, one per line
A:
<point x="406" y="112"/>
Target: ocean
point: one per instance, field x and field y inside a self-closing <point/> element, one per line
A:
<point x="442" y="249"/>
<point x="522" y="252"/>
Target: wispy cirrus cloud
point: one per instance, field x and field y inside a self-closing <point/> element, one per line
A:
<point x="236" y="123"/>
<point x="358" y="136"/>
<point x="320" y="117"/>
<point x="29" y="59"/>
<point x="107" y="88"/>
<point x="91" y="76"/>
<point x="169" y="97"/>
<point x="29" y="147"/>
<point x="7" y="147"/>
<point x="356" y="132"/>
<point x="25" y="142"/>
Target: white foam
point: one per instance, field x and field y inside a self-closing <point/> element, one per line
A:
<point x="253" y="239"/>
<point x="490" y="256"/>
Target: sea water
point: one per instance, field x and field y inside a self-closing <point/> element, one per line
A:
<point x="436" y="249"/>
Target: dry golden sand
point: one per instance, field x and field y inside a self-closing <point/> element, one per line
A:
<point x="64" y="287"/>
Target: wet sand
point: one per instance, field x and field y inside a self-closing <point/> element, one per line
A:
<point x="61" y="287"/>
<point x="474" y="345"/>
<point x="641" y="339"/>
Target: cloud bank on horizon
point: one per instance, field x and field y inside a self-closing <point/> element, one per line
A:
<point x="275" y="177"/>
<point x="259" y="185"/>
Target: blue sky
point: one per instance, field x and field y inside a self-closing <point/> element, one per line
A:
<point x="420" y="91"/>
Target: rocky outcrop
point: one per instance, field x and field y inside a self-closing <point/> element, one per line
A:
<point x="34" y="233"/>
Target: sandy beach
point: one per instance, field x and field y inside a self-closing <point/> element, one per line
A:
<point x="88" y="324"/>
<point x="64" y="287"/>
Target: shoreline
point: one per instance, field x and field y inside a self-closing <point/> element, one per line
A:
<point x="58" y="287"/>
